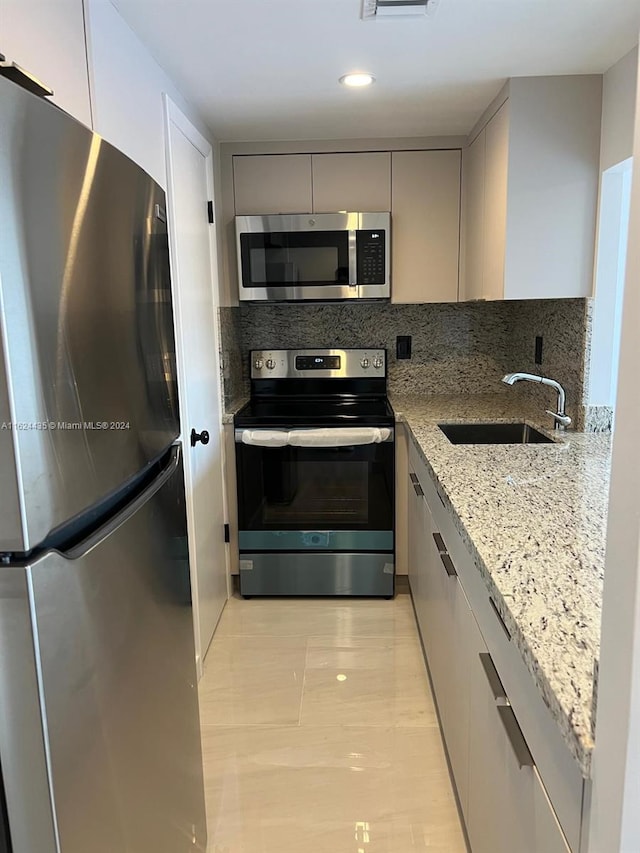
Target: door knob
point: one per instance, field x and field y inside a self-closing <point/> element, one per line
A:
<point x="199" y="436"/>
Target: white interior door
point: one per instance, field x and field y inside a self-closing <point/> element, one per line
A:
<point x="193" y="263"/>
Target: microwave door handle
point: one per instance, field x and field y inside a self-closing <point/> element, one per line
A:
<point x="353" y="260"/>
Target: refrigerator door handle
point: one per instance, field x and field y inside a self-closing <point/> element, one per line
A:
<point x="120" y="517"/>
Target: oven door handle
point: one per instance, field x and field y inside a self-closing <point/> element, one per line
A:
<point x="330" y="437"/>
<point x="262" y="437"/>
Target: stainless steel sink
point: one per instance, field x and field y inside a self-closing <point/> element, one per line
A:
<point x="492" y="433"/>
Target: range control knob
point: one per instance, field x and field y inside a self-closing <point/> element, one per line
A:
<point x="258" y="363"/>
<point x="270" y="364"/>
<point x="364" y="362"/>
<point x="378" y="362"/>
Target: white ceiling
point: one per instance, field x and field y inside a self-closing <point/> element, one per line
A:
<point x="268" y="69"/>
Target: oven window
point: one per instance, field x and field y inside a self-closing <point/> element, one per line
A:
<point x="294" y="258"/>
<point x="300" y="488"/>
<point x="338" y="496"/>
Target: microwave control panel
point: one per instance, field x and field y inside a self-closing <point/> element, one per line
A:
<point x="370" y="255"/>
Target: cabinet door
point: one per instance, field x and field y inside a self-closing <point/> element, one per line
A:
<point x="272" y="183"/>
<point x="402" y="500"/>
<point x="473" y="219"/>
<point x="358" y="181"/>
<point x="495" y="203"/>
<point x="508" y="806"/>
<point x="47" y="39"/>
<point x="450" y="658"/>
<point x="425" y="207"/>
<point x="456" y="700"/>
<point x="416" y="561"/>
<point x="488" y="795"/>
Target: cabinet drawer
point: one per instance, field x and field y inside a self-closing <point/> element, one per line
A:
<point x="508" y="807"/>
<point x="559" y="771"/>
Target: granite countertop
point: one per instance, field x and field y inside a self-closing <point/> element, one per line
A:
<point x="232" y="408"/>
<point x="534" y="518"/>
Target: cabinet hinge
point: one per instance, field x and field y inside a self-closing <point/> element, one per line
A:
<point x="227" y="533"/>
<point x="210" y="211"/>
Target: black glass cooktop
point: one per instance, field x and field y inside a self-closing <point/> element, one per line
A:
<point x="315" y="411"/>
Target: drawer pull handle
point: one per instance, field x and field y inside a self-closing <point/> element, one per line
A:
<point x="447" y="562"/>
<point x="441" y="500"/>
<point x="492" y="676"/>
<point x="442" y="548"/>
<point x="417" y="488"/>
<point x="516" y="738"/>
<point x="499" y="617"/>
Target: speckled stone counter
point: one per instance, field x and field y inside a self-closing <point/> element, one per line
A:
<point x="534" y="519"/>
<point x="232" y="408"/>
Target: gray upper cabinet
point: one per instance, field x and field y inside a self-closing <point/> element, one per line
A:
<point x="48" y="41"/>
<point x="425" y="211"/>
<point x="495" y="196"/>
<point x="472" y="225"/>
<point x="530" y="186"/>
<point x="421" y="188"/>
<point x="272" y="183"/>
<point x="312" y="183"/>
<point x="484" y="210"/>
<point x="356" y="181"/>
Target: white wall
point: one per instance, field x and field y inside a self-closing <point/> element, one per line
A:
<point x="615" y="814"/>
<point x="610" y="270"/>
<point x="616" y="148"/>
<point x="618" y="109"/>
<point x="127" y="85"/>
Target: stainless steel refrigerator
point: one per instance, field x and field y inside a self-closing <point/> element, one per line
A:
<point x="99" y="728"/>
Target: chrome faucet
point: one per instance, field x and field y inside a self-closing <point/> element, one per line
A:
<point x="562" y="420"/>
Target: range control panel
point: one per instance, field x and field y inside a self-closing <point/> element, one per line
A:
<point x="323" y="363"/>
<point x="318" y="362"/>
<point x="370" y="257"/>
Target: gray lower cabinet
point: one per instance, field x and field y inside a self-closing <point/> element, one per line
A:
<point x="444" y="620"/>
<point x="502" y="798"/>
<point x="508" y="808"/>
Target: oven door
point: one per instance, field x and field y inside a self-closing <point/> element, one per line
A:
<point x="307" y="495"/>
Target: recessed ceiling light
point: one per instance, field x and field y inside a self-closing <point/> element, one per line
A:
<point x="357" y="79"/>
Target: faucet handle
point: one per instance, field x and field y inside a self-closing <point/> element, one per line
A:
<point x="563" y="420"/>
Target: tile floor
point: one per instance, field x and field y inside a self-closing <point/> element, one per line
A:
<point x="319" y="732"/>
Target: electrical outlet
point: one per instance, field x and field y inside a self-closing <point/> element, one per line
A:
<point x="538" y="351"/>
<point x="403" y="346"/>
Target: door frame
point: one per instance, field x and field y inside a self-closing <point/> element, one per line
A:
<point x="173" y="114"/>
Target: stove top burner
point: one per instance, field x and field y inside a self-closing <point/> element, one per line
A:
<point x="315" y="411"/>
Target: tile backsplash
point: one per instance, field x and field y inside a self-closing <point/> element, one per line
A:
<point x="462" y="348"/>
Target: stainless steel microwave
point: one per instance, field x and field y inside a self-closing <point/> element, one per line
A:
<point x="323" y="256"/>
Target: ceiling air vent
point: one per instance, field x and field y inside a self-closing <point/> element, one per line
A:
<point x="382" y="10"/>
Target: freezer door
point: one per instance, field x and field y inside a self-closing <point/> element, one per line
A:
<point x="114" y="644"/>
<point x="87" y="364"/>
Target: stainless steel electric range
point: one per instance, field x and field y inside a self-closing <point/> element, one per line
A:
<point x="315" y="463"/>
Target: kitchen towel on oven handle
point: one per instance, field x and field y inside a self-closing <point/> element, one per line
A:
<point x="264" y="437"/>
<point x="338" y="436"/>
<point x="334" y="437"/>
